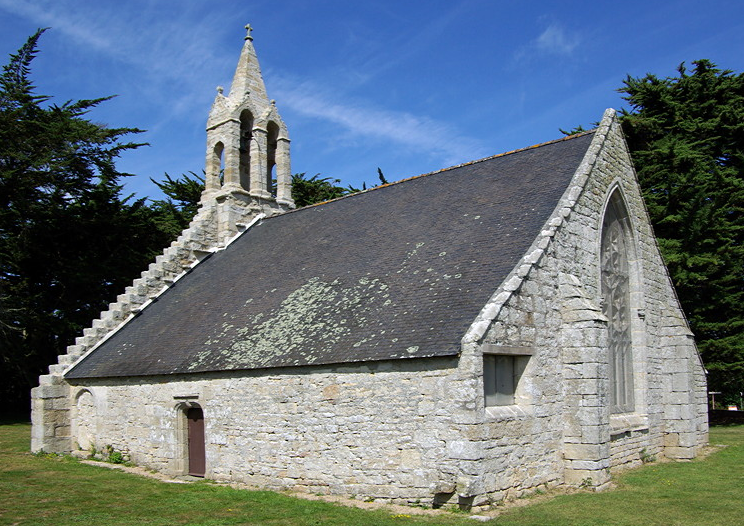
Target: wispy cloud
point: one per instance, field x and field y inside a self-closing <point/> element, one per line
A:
<point x="361" y="119"/>
<point x="372" y="61"/>
<point x="555" y="40"/>
<point x="42" y="15"/>
<point x="162" y="47"/>
<point x="172" y="60"/>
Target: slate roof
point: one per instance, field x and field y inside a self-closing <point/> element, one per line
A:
<point x="400" y="271"/>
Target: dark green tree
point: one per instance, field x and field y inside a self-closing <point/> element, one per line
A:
<point x="307" y="191"/>
<point x="68" y="241"/>
<point x="573" y="131"/>
<point x="686" y="136"/>
<point x="174" y="213"/>
<point x="381" y="176"/>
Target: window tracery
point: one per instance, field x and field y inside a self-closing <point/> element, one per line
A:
<point x="616" y="305"/>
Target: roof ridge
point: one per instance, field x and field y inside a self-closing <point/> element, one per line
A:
<point x="469" y="163"/>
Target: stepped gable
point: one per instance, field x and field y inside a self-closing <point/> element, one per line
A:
<point x="397" y="272"/>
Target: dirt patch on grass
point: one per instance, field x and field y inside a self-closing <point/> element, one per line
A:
<point x="137" y="470"/>
<point x="394" y="509"/>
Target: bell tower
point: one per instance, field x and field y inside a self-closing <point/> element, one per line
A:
<point x="247" y="162"/>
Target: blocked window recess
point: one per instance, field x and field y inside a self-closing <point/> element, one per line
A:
<point x="503" y="374"/>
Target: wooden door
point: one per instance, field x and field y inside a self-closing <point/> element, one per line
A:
<point x="197" y="462"/>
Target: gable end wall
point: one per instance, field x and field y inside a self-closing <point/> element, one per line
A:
<point x="561" y="430"/>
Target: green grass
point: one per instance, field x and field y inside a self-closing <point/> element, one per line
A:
<point x="703" y="492"/>
<point x="61" y="491"/>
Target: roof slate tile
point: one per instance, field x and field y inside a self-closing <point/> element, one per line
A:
<point x="400" y="271"/>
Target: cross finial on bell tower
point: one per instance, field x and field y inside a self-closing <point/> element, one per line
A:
<point x="248" y="30"/>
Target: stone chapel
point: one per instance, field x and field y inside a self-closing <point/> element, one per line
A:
<point x="459" y="337"/>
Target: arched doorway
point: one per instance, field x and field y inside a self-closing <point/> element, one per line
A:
<point x="195" y="430"/>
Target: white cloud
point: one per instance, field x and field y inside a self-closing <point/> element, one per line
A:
<point x="164" y="48"/>
<point x="168" y="57"/>
<point x="47" y="16"/>
<point x="416" y="40"/>
<point x="422" y="134"/>
<point x="554" y="40"/>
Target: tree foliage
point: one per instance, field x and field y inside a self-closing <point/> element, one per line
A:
<point x="183" y="194"/>
<point x="310" y="190"/>
<point x="686" y="136"/>
<point x="573" y="131"/>
<point x="62" y="222"/>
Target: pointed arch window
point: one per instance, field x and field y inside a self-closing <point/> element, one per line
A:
<point x="271" y="144"/>
<point x="615" y="269"/>
<point x="217" y="164"/>
<point x="246" y="136"/>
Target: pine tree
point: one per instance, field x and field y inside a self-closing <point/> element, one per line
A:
<point x="310" y="190"/>
<point x="183" y="194"/>
<point x="686" y="136"/>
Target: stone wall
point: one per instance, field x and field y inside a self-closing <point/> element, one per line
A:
<point x="382" y="430"/>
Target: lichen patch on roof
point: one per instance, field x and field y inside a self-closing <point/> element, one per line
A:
<point x="307" y="324"/>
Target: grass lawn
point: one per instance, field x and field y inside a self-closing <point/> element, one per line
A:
<point x="706" y="492"/>
<point x="62" y="491"/>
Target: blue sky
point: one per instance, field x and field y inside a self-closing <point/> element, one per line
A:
<point x="407" y="86"/>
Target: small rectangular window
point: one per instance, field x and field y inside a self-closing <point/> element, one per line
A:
<point x="501" y="375"/>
